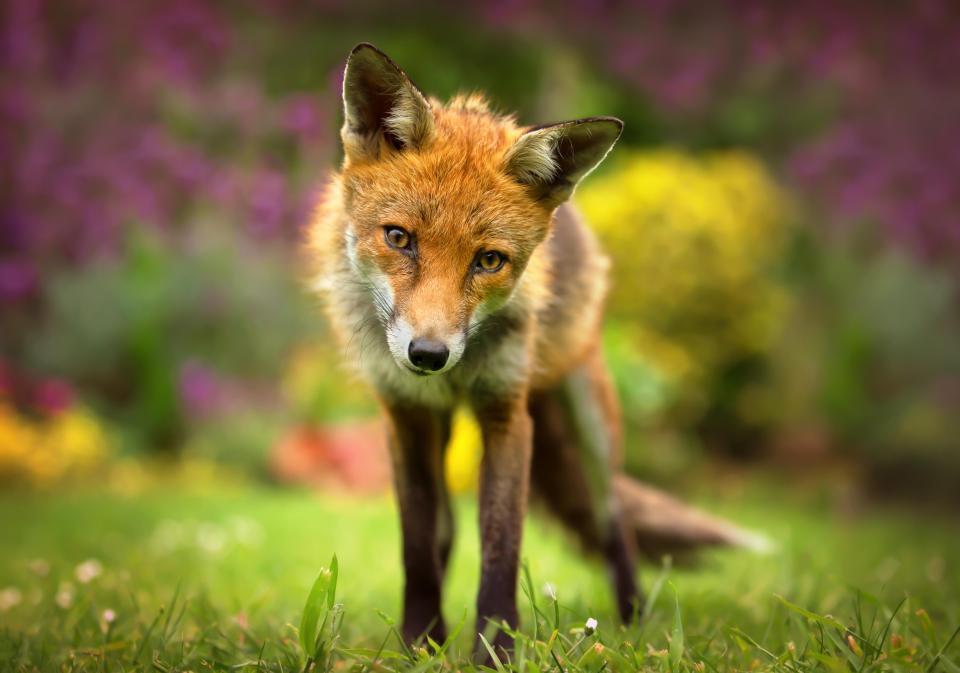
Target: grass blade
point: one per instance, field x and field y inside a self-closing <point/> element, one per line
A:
<point x="676" y="635"/>
<point x="332" y="588"/>
<point x="318" y="596"/>
<point x="493" y="655"/>
<point x="943" y="650"/>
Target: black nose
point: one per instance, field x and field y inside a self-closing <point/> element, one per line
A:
<point x="428" y="355"/>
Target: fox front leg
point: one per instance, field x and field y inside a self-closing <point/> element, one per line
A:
<point x="504" y="484"/>
<point x="416" y="437"/>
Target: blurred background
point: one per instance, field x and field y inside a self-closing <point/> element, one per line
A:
<point x="783" y="213"/>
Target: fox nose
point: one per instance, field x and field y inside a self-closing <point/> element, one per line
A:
<point x="428" y="355"/>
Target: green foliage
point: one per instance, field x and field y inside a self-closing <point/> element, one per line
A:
<point x="870" y="354"/>
<point x="124" y="329"/>
<point x="241" y="441"/>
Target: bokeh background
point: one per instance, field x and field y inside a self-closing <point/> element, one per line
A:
<point x="783" y="213"/>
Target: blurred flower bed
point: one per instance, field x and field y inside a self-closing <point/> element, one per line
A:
<point x="781" y="214"/>
<point x="70" y="442"/>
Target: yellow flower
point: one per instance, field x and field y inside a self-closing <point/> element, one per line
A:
<point x="77" y="438"/>
<point x="41" y="452"/>
<point x="20" y="443"/>
<point x="17" y="439"/>
<point x="464" y="453"/>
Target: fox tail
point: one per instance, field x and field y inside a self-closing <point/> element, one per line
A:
<point x="663" y="525"/>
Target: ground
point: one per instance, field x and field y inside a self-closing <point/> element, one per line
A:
<point x="216" y="579"/>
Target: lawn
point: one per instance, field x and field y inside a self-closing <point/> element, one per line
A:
<point x="176" y="579"/>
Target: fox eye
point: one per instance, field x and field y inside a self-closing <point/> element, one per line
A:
<point x="397" y="237"/>
<point x="490" y="261"/>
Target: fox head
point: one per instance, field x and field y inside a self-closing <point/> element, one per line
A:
<point x="445" y="204"/>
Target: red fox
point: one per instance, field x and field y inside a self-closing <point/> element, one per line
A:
<point x="455" y="272"/>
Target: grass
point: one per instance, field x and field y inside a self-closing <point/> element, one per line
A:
<point x="177" y="580"/>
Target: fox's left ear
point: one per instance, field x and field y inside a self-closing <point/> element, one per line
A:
<point x="381" y="105"/>
<point x="552" y="159"/>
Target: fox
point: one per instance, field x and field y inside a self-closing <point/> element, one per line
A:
<point x="455" y="271"/>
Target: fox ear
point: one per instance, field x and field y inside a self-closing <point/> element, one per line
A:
<point x="380" y="105"/>
<point x="552" y="159"/>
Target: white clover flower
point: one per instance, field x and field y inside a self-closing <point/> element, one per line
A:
<point x="10" y="597"/>
<point x="88" y="571"/>
<point x="590" y="627"/>
<point x="211" y="538"/>
<point x="107" y="618"/>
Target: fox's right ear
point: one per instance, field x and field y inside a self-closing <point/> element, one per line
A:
<point x="382" y="107"/>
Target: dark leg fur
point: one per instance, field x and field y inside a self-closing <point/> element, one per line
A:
<point x="574" y="446"/>
<point x="504" y="484"/>
<point x="446" y="527"/>
<point x="417" y="439"/>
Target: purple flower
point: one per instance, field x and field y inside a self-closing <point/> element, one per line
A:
<point x="52" y="396"/>
<point x="18" y="280"/>
<point x="301" y="116"/>
<point x="268" y="204"/>
<point x="199" y="388"/>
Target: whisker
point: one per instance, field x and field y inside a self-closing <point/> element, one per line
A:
<point x="479" y="328"/>
<point x="369" y="329"/>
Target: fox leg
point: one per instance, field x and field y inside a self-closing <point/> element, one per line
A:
<point x="576" y="440"/>
<point x="504" y="484"/>
<point x="446" y="528"/>
<point x="417" y="436"/>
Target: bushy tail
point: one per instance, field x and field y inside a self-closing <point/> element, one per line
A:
<point x="663" y="525"/>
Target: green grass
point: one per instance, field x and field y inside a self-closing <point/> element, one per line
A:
<point x="218" y="581"/>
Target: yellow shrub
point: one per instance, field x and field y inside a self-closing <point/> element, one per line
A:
<point x="41" y="452"/>
<point x="693" y="240"/>
<point x="17" y="441"/>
